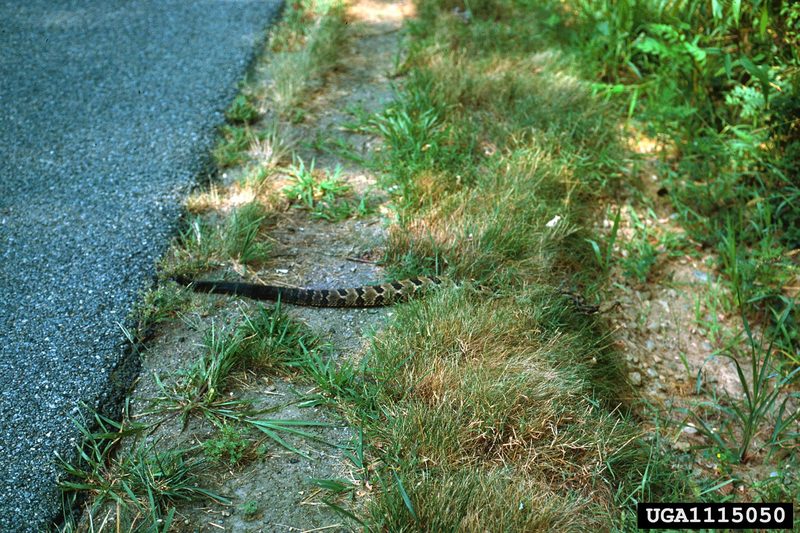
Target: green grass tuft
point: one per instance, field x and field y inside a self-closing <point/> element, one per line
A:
<point x="143" y="483"/>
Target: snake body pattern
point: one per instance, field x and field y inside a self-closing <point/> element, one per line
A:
<point x="364" y="296"/>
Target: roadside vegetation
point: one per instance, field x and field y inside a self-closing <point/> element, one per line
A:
<point x="716" y="85"/>
<point x="511" y="162"/>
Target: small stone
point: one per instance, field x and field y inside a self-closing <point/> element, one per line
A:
<point x="652" y="373"/>
<point x="649" y="345"/>
<point x="681" y="446"/>
<point x="690" y="430"/>
<point x="706" y="346"/>
<point x="635" y="378"/>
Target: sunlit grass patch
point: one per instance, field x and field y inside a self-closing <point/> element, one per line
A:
<point x="498" y="393"/>
<point x="207" y="241"/>
<point x="305" y="49"/>
<point x="273" y="146"/>
<point x="325" y="194"/>
<point x="510" y="228"/>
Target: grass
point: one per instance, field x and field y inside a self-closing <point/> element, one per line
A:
<point x="305" y="49"/>
<point x="231" y="150"/>
<point x="640" y="253"/>
<point x="495" y="405"/>
<point x="242" y="111"/>
<point x="269" y="340"/>
<point x="765" y="401"/>
<point x="717" y="84"/>
<point x="304" y="46"/>
<point x="272" y="147"/>
<point x="272" y="341"/>
<point x="160" y="304"/>
<point x="203" y="243"/>
<point x="603" y="255"/>
<point x="495" y="152"/>
<point x="136" y="488"/>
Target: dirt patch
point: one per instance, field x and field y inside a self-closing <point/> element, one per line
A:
<point x="672" y="327"/>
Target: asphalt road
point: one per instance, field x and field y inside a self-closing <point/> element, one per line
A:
<point x="107" y="113"/>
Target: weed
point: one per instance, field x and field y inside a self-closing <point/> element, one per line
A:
<point x="711" y="306"/>
<point x="341" y="148"/>
<point x="241" y="111"/>
<point x="489" y="404"/>
<point x="242" y="231"/>
<point x="603" y="257"/>
<point x="323" y="194"/>
<point x="337" y="381"/>
<point x="640" y="253"/>
<point x="303" y="189"/>
<point x="201" y="202"/>
<point x="730" y="112"/>
<point x="201" y="243"/>
<point x="205" y="381"/>
<point x="271" y="147"/>
<point x="271" y="340"/>
<point x="161" y="304"/>
<point x="761" y="402"/>
<point x="249" y="509"/>
<point x="199" y="390"/>
<point x="229" y="446"/>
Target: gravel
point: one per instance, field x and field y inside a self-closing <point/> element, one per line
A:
<point x="107" y="114"/>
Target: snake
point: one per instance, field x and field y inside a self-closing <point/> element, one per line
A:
<point x="381" y="295"/>
<point x="385" y="294"/>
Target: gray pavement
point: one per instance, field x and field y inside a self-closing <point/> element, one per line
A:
<point x="107" y="113"/>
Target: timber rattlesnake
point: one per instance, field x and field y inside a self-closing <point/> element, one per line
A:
<point x="365" y="296"/>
